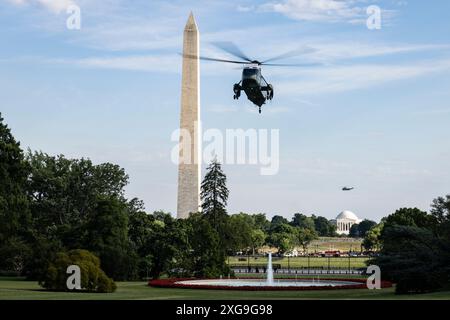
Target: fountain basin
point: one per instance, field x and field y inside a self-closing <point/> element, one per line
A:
<point x="261" y="284"/>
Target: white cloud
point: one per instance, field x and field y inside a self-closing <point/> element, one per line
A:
<point x="18" y="2"/>
<point x="55" y="6"/>
<point x="353" y="77"/>
<point x="327" y="51"/>
<point x="317" y="10"/>
<point x="159" y="63"/>
<point x="132" y="33"/>
<point x="242" y="8"/>
<point x="146" y="63"/>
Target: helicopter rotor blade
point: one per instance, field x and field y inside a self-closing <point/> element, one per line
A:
<point x="312" y="64"/>
<point x="292" y="53"/>
<point x="214" y="59"/>
<point x="232" y="49"/>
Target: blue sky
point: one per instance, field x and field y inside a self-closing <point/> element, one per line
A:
<point x="374" y="115"/>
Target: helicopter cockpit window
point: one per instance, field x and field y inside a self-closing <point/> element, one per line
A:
<point x="250" y="72"/>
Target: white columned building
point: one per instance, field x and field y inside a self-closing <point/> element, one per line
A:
<point x="344" y="221"/>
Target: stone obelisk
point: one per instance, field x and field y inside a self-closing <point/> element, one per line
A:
<point x="189" y="167"/>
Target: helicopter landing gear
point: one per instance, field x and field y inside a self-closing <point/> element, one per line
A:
<point x="237" y="91"/>
<point x="270" y="92"/>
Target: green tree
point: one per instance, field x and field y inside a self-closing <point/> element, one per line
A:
<point x="364" y="226"/>
<point x="68" y="196"/>
<point x="261" y="222"/>
<point x="415" y="250"/>
<point x="15" y="253"/>
<point x="14" y="206"/>
<point x="214" y="194"/>
<point x="64" y="191"/>
<point x="250" y="230"/>
<point x="303" y="222"/>
<point x="414" y="258"/>
<point x="372" y="239"/>
<point x="324" y="227"/>
<point x="167" y="245"/>
<point x="276" y="221"/>
<point x="93" y="279"/>
<point x="410" y="217"/>
<point x="258" y="238"/>
<point x="239" y="227"/>
<point x="440" y="209"/>
<point x="140" y="230"/>
<point x="205" y="257"/>
<point x="304" y="237"/>
<point x="162" y="216"/>
<point x="107" y="236"/>
<point x="354" y="231"/>
<point x="361" y="229"/>
<point x="283" y="237"/>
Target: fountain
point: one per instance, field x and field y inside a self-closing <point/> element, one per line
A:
<point x="269" y="279"/>
<point x="263" y="284"/>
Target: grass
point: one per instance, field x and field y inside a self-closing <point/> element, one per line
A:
<point x="296" y="262"/>
<point x="319" y="245"/>
<point x="18" y="289"/>
<point x="334" y="243"/>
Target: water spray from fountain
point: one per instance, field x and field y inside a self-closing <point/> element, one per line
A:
<point x="269" y="271"/>
<point x="268" y="282"/>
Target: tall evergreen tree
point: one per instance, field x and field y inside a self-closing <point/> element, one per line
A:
<point x="214" y="194"/>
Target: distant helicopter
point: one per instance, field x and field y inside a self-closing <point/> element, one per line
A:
<point x="347" y="188"/>
<point x="257" y="89"/>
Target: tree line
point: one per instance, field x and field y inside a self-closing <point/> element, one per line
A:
<point x="53" y="209"/>
<point x="50" y="205"/>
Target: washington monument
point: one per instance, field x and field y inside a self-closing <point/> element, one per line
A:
<point x="189" y="167"/>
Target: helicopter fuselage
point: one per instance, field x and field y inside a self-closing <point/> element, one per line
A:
<point x="254" y="85"/>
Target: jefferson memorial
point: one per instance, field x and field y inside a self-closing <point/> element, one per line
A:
<point x="344" y="221"/>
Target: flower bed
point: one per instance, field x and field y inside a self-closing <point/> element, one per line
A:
<point x="173" y="283"/>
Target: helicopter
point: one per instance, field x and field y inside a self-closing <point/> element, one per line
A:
<point x="347" y="188"/>
<point x="253" y="83"/>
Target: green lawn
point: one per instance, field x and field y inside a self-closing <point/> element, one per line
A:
<point x="335" y="243"/>
<point x="19" y="289"/>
